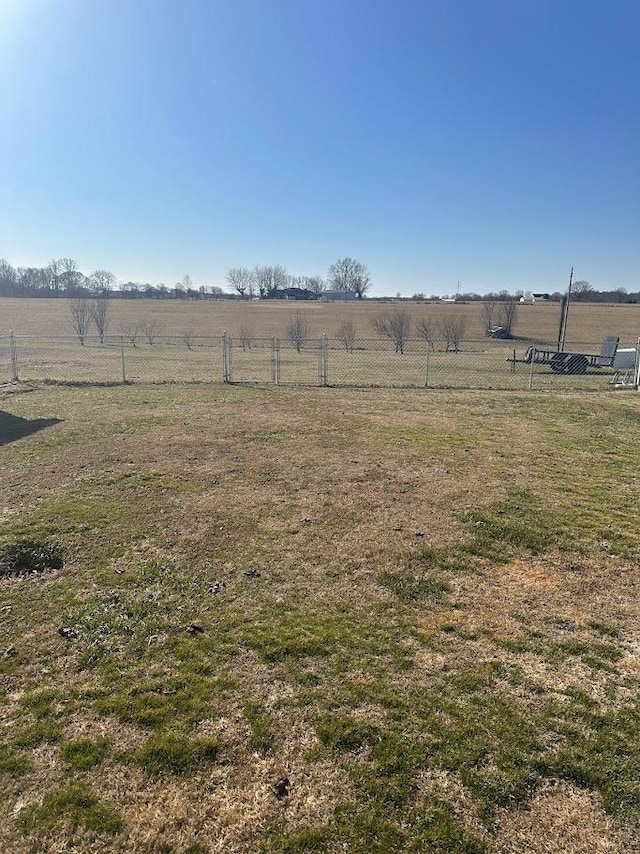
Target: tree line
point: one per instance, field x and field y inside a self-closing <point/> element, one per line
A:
<point x="63" y="278"/>
<point x="581" y="292"/>
<point x="270" y="281"/>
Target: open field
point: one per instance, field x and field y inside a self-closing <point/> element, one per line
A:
<point x="267" y="319"/>
<point x="319" y="620"/>
<point x="186" y="345"/>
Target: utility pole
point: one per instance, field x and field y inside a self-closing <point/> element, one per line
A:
<point x="564" y="313"/>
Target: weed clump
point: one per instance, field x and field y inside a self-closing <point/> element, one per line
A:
<point x="29" y="555"/>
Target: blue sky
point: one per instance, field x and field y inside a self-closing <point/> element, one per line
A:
<point x="495" y="142"/>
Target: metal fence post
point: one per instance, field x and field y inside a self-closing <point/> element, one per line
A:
<point x="13" y="350"/>
<point x="426" y="367"/>
<point x="275" y="361"/>
<point x="533" y="361"/>
<point x="224" y="357"/>
<point x="124" y="372"/>
<point x="636" y="376"/>
<point x="323" y="360"/>
<point x="326" y="358"/>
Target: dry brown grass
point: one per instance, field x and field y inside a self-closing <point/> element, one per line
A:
<point x="322" y="492"/>
<point x="588" y="324"/>
<point x="561" y="819"/>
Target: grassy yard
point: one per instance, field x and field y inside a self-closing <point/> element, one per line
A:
<point x="323" y="620"/>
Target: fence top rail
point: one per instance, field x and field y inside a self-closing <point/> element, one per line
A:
<point x="316" y="339"/>
<point x="115" y="337"/>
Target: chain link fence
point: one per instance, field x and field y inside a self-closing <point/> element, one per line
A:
<point x="114" y="359"/>
<point x="411" y="363"/>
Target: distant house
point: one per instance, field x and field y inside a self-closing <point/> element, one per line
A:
<point x="291" y="293"/>
<point x="533" y="298"/>
<point x="338" y="296"/>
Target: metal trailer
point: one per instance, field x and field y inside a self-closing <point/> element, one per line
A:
<point x="562" y="362"/>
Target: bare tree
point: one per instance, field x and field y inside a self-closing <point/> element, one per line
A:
<point x="79" y="317"/>
<point x="346" y="335"/>
<point x="30" y="279"/>
<point x="395" y="325"/>
<point x="54" y="271"/>
<point x="452" y="329"/>
<point x="270" y="279"/>
<point x="507" y="317"/>
<point x="425" y="328"/>
<point x="130" y="332"/>
<point x="246" y="337"/>
<point x="150" y="330"/>
<point x="489" y="314"/>
<point x="298" y="330"/>
<point x="99" y="311"/>
<point x="188" y="337"/>
<point x="70" y="275"/>
<point x="8" y="278"/>
<point x="581" y="290"/>
<point x="102" y="280"/>
<point x="347" y="274"/>
<point x="241" y="280"/>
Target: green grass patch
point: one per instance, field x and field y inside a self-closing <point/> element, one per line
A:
<point x="80" y="754"/>
<point x="173" y="753"/>
<point x="42" y="704"/>
<point x="484" y="675"/>
<point x="464" y="726"/>
<point x="13" y="762"/>
<point x="70" y="515"/>
<point x="385" y="816"/>
<point x="519" y="524"/>
<point x="76" y="806"/>
<point x="365" y="828"/>
<point x="604" y="629"/>
<point x="495" y="535"/>
<point x="39" y="732"/>
<point x="157" y="704"/>
<point x="344" y="635"/>
<point x="155" y="482"/>
<point x="278" y="840"/>
<point x="262" y="727"/>
<point x="344" y="733"/>
<point x="415" y="588"/>
<point x="606" y="758"/>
